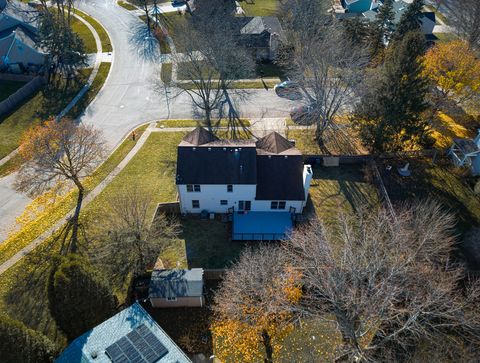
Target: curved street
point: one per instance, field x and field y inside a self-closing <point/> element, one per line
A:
<point x="128" y="99"/>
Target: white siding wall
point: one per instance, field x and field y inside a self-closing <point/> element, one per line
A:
<point x="211" y="195"/>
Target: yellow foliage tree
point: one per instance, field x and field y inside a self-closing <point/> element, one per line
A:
<point x="255" y="306"/>
<point x="454" y="69"/>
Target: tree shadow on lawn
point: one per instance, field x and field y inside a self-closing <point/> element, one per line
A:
<point x="439" y="181"/>
<point x="26" y="300"/>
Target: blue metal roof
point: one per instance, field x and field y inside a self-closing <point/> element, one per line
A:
<point x="94" y="342"/>
<point x="261" y="225"/>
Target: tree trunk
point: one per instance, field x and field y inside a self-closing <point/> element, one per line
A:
<point x="267" y="343"/>
<point x="74" y="220"/>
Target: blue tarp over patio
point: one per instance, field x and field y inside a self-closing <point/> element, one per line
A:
<point x="261" y="226"/>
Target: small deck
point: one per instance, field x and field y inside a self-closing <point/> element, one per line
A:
<point x="261" y="226"/>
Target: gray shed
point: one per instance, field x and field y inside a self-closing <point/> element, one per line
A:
<point x="176" y="288"/>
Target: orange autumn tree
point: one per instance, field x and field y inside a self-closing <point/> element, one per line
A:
<point x="255" y="306"/>
<point x="58" y="152"/>
<point x="454" y="71"/>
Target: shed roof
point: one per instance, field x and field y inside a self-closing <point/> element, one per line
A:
<point x="94" y="342"/>
<point x="176" y="283"/>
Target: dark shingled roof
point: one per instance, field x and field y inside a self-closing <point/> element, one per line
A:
<point x="255" y="31"/>
<point x="216" y="165"/>
<point x="280" y="177"/>
<point x="176" y="283"/>
<point x="274" y="143"/>
<point x="272" y="163"/>
<point x="199" y="136"/>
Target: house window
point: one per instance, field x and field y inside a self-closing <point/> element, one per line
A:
<point x="193" y="188"/>
<point x="172" y="298"/>
<point x="229" y="188"/>
<point x="195" y="204"/>
<point x="244" y="205"/>
<point x="223" y="202"/>
<point x="278" y="205"/>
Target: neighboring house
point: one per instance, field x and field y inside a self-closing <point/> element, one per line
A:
<point x="176" y="288"/>
<point x="359" y="6"/>
<point x="264" y="182"/>
<point x="466" y="153"/>
<point x="19" y="51"/>
<point x="261" y="35"/>
<point x="129" y="336"/>
<point x="428" y="19"/>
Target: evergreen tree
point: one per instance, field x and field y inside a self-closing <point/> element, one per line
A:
<point x="79" y="297"/>
<point x="389" y="113"/>
<point x="410" y="20"/>
<point x="382" y="28"/>
<point x="356" y="31"/>
<point x="21" y="344"/>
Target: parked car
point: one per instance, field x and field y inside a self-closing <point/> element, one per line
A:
<point x="178" y="2"/>
<point x="303" y="115"/>
<point x="289" y="90"/>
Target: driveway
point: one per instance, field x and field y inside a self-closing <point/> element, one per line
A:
<point x="128" y="99"/>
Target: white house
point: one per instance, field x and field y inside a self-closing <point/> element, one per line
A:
<point x="255" y="178"/>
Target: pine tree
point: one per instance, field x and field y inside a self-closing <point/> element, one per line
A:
<point x="21" y="344"/>
<point x="389" y="113"/>
<point x="382" y="28"/>
<point x="79" y="297"/>
<point x="410" y="20"/>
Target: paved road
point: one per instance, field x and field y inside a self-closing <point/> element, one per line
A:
<point x="128" y="98"/>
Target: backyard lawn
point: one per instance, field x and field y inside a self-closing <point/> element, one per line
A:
<point x="342" y="189"/>
<point x="8" y="88"/>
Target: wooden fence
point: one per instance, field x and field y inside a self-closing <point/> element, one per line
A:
<point x="13" y="101"/>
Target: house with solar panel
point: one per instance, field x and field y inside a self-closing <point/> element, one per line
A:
<point x="262" y="184"/>
<point x="19" y="50"/>
<point x="176" y="288"/>
<point x="127" y="337"/>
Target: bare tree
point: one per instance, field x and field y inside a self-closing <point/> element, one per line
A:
<point x="387" y="283"/>
<point x="57" y="152"/>
<point x="323" y="63"/>
<point x="465" y="18"/>
<point x="209" y="59"/>
<point x="253" y="305"/>
<point x="129" y="240"/>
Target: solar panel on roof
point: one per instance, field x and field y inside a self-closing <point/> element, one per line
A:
<point x="138" y="346"/>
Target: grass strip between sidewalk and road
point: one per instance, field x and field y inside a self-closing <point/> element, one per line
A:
<point x="192" y="123"/>
<point x="102" y="33"/>
<point x="126" y="5"/>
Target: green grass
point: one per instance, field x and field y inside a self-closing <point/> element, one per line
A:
<point x="8" y="88"/>
<point x="85" y="34"/>
<point x="166" y="73"/>
<point x="445" y="37"/>
<point x="192" y="123"/>
<point x="342" y="189"/>
<point x="260" y="7"/>
<point x="126" y="5"/>
<point x="253" y="84"/>
<point x="102" y="33"/>
<point x="47" y="102"/>
<point x="451" y="187"/>
<point x="88" y="97"/>
<point x="36" y="227"/>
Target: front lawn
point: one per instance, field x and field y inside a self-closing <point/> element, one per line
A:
<point x="102" y="33"/>
<point x="260" y="7"/>
<point x="47" y="102"/>
<point x="85" y="34"/>
<point x="8" y="88"/>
